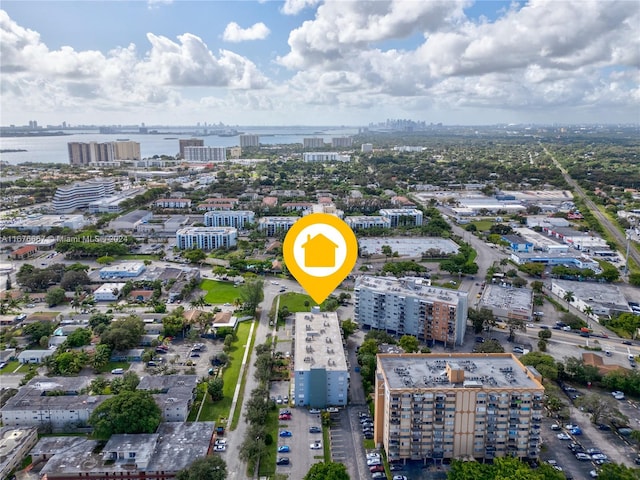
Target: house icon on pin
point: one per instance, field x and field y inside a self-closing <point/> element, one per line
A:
<point x="319" y="251"/>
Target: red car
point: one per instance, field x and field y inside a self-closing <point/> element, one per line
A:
<point x="284" y="416"/>
<point x="377" y="468"/>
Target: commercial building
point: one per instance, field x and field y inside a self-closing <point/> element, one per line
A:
<point x="507" y="302"/>
<point x="517" y="243"/>
<point x="603" y="299"/>
<point x="206" y="238"/>
<point x="189" y="142"/>
<point x="411" y="306"/>
<point x="130" y="222"/>
<point x="313" y="142"/>
<point x="122" y="270"/>
<point x="112" y="203"/>
<point x="15" y="444"/>
<point x="37" y="223"/>
<point x="444" y="406"/>
<point x="154" y="456"/>
<point x="325" y="157"/>
<point x="205" y="154"/>
<point x="403" y="216"/>
<point x="273" y="225"/>
<point x="247" y="140"/>
<point x="321" y="376"/>
<point x="554" y="257"/>
<point x="239" y="219"/>
<point x="108" y="292"/>
<point x="81" y="194"/>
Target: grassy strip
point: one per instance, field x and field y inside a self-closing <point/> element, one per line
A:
<point x="113" y="365"/>
<point x="326" y="444"/>
<point x="10" y="367"/>
<point x="558" y="306"/>
<point x="368" y="444"/>
<point x="238" y="411"/>
<point x="138" y="256"/>
<point x="214" y="411"/>
<point x="200" y="393"/>
<point x="268" y="459"/>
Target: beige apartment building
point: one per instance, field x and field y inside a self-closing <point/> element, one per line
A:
<point x="482" y="406"/>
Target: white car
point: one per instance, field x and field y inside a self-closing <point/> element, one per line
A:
<point x="221" y="441"/>
<point x="399" y="477"/>
<point x="599" y="456"/>
<point x="314" y="410"/>
<point x="373" y="461"/>
<point x="593" y="473"/>
<point x="219" y="448"/>
<point x="332" y="410"/>
<point x="563" y="436"/>
<point x="373" y="455"/>
<point x="315" y="446"/>
<point x="618" y="395"/>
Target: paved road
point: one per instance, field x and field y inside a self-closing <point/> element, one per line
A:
<point x="603" y="219"/>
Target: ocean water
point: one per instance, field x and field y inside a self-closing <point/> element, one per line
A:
<point x="54" y="149"/>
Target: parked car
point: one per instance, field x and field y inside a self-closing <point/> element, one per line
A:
<point x="583" y="456"/>
<point x="219" y="448"/>
<point x="555" y="426"/>
<point x="373" y="461"/>
<point x="284" y="416"/>
<point x="563" y="436"/>
<point x="315" y="429"/>
<point x="315" y="446"/>
<point x="575" y="431"/>
<point x="282" y="461"/>
<point x="117" y="371"/>
<point x="399" y="477"/>
<point x="284" y="449"/>
<point x="314" y="410"/>
<point x="599" y="456"/>
<point x="618" y="395"/>
<point x="377" y="468"/>
<point x="285" y="433"/>
<point x="332" y="410"/>
<point x="627" y="342"/>
<point x="368" y="436"/>
<point x="378" y="475"/>
<point x="604" y="426"/>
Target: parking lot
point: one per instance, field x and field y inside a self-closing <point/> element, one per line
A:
<point x="301" y="456"/>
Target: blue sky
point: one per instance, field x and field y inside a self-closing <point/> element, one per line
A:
<point x="319" y="62"/>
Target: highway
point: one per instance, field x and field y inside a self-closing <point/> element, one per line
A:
<point x="604" y="221"/>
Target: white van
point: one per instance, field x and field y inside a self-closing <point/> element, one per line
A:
<point x="117" y="371"/>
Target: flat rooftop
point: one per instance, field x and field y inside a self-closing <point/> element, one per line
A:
<point x="410" y="286"/>
<point x="412" y="247"/>
<point x="484" y="370"/>
<point x="508" y="298"/>
<point x="179" y="444"/>
<point x="596" y="293"/>
<point x="318" y="342"/>
<point x="539" y="239"/>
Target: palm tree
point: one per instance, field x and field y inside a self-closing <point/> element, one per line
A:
<point x="588" y="310"/>
<point x="569" y="297"/>
<point x="198" y="303"/>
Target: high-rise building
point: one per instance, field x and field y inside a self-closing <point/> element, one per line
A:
<point x="325" y="157"/>
<point x="189" y="142"/>
<point x="342" y="142"/>
<point x="127" y="150"/>
<point x="321" y="371"/>
<point x="403" y="216"/>
<point x="206" y="238"/>
<point x="411" y="306"/>
<point x="94" y="153"/>
<point x="444" y="406"/>
<point x="314" y="142"/>
<point x="81" y="194"/>
<point x="205" y="154"/>
<point x="249" y="141"/>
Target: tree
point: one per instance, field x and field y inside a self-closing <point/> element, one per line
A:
<point x="588" y="310"/>
<point x="537" y="286"/>
<point x="127" y="412"/>
<point x="614" y="471"/>
<point x="514" y="324"/>
<point x="101" y="357"/>
<point x="490" y="346"/>
<point x="348" y="327"/>
<point x="215" y="388"/>
<point x="569" y="297"/>
<point x="35" y="331"/>
<point x="199" y="303"/>
<point x="55" y="296"/>
<point x="327" y="471"/>
<point x="74" y="278"/>
<point x="481" y="319"/>
<point x="126" y="383"/>
<point x="99" y="319"/>
<point x="252" y="293"/>
<point x="409" y="343"/>
<point x="544" y="334"/>
<point x="172" y="325"/>
<point x="543" y="363"/>
<point x="542" y="345"/>
<point x="212" y="467"/>
<point x="194" y="256"/>
<point x="599" y="407"/>
<point x="79" y="337"/>
<point x="123" y="334"/>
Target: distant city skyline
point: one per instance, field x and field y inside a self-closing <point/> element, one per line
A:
<point x="314" y="62"/>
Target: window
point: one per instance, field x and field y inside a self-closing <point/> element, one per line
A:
<point x="132" y="454"/>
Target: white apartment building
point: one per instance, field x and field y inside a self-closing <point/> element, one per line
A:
<point x="444" y="406"/>
<point x="108" y="292"/>
<point x="403" y="216"/>
<point x="81" y="194"/>
<point x="173" y="203"/>
<point x="239" y="219"/>
<point x="274" y="225"/>
<point x="325" y="157"/>
<point x="362" y="222"/>
<point x="366" y="148"/>
<point x="321" y="376"/>
<point x="206" y="238"/>
<point x="410" y="306"/>
<point x="205" y="154"/>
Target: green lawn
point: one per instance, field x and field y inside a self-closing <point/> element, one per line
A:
<point x="138" y="256"/>
<point x="268" y="460"/>
<point x="295" y="302"/>
<point x="219" y="292"/>
<point x="238" y="411"/>
<point x="214" y="411"/>
<point x="10" y="367"/>
<point x="111" y="365"/>
<point x="481" y="225"/>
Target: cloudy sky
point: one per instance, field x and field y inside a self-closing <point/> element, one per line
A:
<point x="315" y="62"/>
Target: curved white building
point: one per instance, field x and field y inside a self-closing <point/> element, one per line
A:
<point x="81" y="194"/>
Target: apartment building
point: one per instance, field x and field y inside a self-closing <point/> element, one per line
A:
<point x="403" y="216"/>
<point x="313" y="142"/>
<point x="206" y="238"/>
<point x="15" y="444"/>
<point x="173" y="203"/>
<point x="325" y="157"/>
<point x="342" y="142"/>
<point x="411" y="306"/>
<point x="273" y="225"/>
<point x="205" y="154"/>
<point x="247" y="140"/>
<point x="189" y="142"/>
<point x="127" y="150"/>
<point x="432" y="406"/>
<point x="239" y="219"/>
<point x="362" y="222"/>
<point x="91" y="153"/>
<point x="321" y="376"/>
<point x="81" y="194"/>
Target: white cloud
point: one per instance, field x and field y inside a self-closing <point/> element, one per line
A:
<point x="151" y="4"/>
<point x="294" y="7"/>
<point x="234" y="33"/>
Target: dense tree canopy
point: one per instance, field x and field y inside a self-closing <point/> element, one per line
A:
<point x="327" y="471"/>
<point x="212" y="467"/>
<point x="123" y="334"/>
<point x="252" y="293"/>
<point x="502" y="469"/>
<point x="127" y="412"/>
